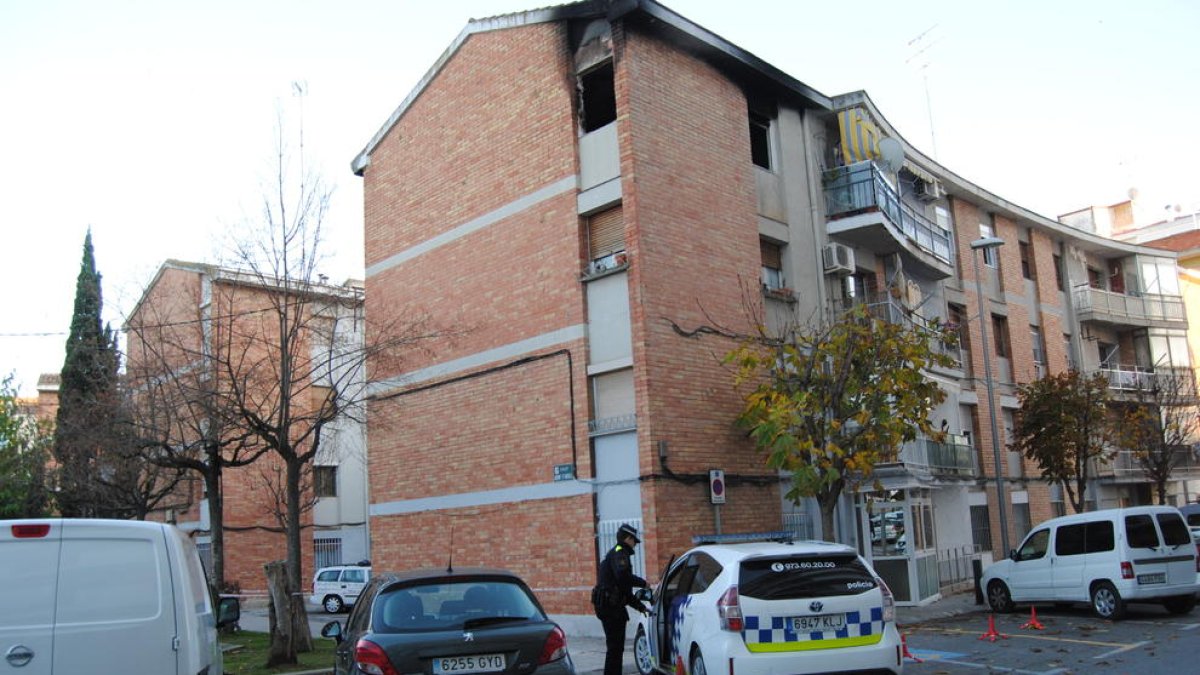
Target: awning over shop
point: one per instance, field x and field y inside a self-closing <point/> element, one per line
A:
<point x="860" y="136"/>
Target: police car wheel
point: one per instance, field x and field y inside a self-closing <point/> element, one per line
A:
<point x="698" y="664"/>
<point x="641" y="652"/>
<point x="333" y="604"/>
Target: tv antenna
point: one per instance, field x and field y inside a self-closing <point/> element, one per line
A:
<point x="922" y="43"/>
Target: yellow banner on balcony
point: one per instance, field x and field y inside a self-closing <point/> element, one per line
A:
<point x="860" y="137"/>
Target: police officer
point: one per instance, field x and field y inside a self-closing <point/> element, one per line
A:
<point x="614" y="591"/>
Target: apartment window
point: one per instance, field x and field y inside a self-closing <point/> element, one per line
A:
<point x="325" y="481"/>
<point x="772" y="264"/>
<point x="990" y="257"/>
<point x="1039" y="349"/>
<point x="1058" y="272"/>
<point x="1058" y="506"/>
<point x="1021" y="524"/>
<point x="1071" y="364"/>
<point x="1000" y="332"/>
<point x="1169" y="349"/>
<point x="606" y="238"/>
<point x="957" y="315"/>
<point x="327" y="553"/>
<point x="1027" y="267"/>
<point x="760" y="140"/>
<point x="597" y="98"/>
<point x="1095" y="278"/>
<point x="981" y="527"/>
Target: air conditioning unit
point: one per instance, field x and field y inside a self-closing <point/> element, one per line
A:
<point x="929" y="191"/>
<point x="838" y="259"/>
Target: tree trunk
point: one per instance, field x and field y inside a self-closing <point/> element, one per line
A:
<point x="283" y="647"/>
<point x="299" y="613"/>
<point x="216" y="522"/>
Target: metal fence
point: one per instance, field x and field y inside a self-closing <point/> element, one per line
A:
<point x="606" y="533"/>
<point x="955" y="571"/>
<point x="327" y="552"/>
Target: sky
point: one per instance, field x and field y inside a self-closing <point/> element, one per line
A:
<point x="151" y="122"/>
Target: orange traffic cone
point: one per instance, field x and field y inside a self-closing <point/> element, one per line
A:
<point x="1033" y="622"/>
<point x="904" y="650"/>
<point x="992" y="635"/>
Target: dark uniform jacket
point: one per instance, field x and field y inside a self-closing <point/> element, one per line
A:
<point x="615" y="584"/>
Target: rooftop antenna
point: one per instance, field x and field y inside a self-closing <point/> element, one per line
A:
<point x="922" y="43"/>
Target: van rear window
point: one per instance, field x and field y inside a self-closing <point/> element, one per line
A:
<point x="1175" y="533"/>
<point x="792" y="577"/>
<point x="1139" y="532"/>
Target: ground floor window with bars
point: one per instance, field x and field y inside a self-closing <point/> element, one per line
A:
<point x="981" y="528"/>
<point x="327" y="552"/>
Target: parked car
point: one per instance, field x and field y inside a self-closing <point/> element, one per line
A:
<point x="465" y="620"/>
<point x="1106" y="558"/>
<point x="106" y="597"/>
<point x="337" y="587"/>
<point x="768" y="607"/>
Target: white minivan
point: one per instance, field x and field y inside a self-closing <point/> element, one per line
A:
<point x="105" y="597"/>
<point x="1106" y="558"/>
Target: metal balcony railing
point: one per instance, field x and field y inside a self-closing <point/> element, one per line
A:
<point x="861" y="187"/>
<point x="612" y="425"/>
<point x="1126" y="466"/>
<point x="1176" y="384"/>
<point x="943" y="459"/>
<point x="883" y="306"/>
<point x="1099" y="305"/>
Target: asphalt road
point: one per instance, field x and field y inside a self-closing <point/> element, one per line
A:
<point x="1072" y="640"/>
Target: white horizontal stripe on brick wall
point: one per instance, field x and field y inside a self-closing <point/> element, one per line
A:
<point x="475" y="224"/>
<point x="520" y="493"/>
<point x="506" y="352"/>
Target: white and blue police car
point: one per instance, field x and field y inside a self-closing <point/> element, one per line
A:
<point x="768" y="607"/>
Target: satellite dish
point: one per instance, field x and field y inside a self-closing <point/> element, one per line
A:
<point x="891" y="154"/>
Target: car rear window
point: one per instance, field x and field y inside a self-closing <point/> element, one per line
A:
<point x="1174" y="531"/>
<point x="460" y="604"/>
<point x="792" y="577"/>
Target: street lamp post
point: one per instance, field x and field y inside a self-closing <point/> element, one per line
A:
<point x="985" y="244"/>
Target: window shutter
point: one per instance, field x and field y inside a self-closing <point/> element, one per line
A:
<point x="606" y="233"/>
<point x="771" y="256"/>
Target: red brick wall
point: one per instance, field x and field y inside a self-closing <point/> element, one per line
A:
<point x="495" y="125"/>
<point x="693" y="238"/>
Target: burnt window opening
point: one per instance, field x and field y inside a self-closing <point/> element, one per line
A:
<point x="597" y="98"/>
<point x="760" y="140"/>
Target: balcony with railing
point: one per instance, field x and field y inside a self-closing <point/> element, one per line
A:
<point x="1120" y="309"/>
<point x="1125" y="467"/>
<point x="928" y="459"/>
<point x="893" y="310"/>
<point x="1160" y="386"/>
<point x="863" y="208"/>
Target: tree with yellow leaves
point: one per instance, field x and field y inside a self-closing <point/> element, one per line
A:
<point x="829" y="403"/>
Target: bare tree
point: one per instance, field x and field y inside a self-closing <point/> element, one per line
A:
<point x="1159" y="427"/>
<point x="179" y="416"/>
<point x="293" y="354"/>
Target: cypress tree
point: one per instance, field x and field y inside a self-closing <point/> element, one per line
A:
<point x="87" y="398"/>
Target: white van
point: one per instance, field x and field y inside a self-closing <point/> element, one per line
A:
<point x="1105" y="558"/>
<point x="336" y="588"/>
<point x="105" y="597"/>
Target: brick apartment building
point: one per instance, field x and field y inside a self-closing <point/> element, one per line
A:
<point x="191" y="310"/>
<point x="570" y="185"/>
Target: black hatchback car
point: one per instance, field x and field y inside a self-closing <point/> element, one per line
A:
<point x="443" y="622"/>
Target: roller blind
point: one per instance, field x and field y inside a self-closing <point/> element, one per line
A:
<point x="770" y="255"/>
<point x="606" y="233"/>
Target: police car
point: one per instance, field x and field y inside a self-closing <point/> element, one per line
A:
<point x="768" y="607"/>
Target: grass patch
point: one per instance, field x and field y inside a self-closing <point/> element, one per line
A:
<point x="250" y="658"/>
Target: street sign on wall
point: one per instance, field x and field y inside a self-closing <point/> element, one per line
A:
<point x="716" y="486"/>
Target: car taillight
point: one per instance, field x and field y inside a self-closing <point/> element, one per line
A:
<point x="555" y="647"/>
<point x="730" y="611"/>
<point x="30" y="531"/>
<point x="370" y="658"/>
<point x="889" y="601"/>
<point x="1126" y="570"/>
